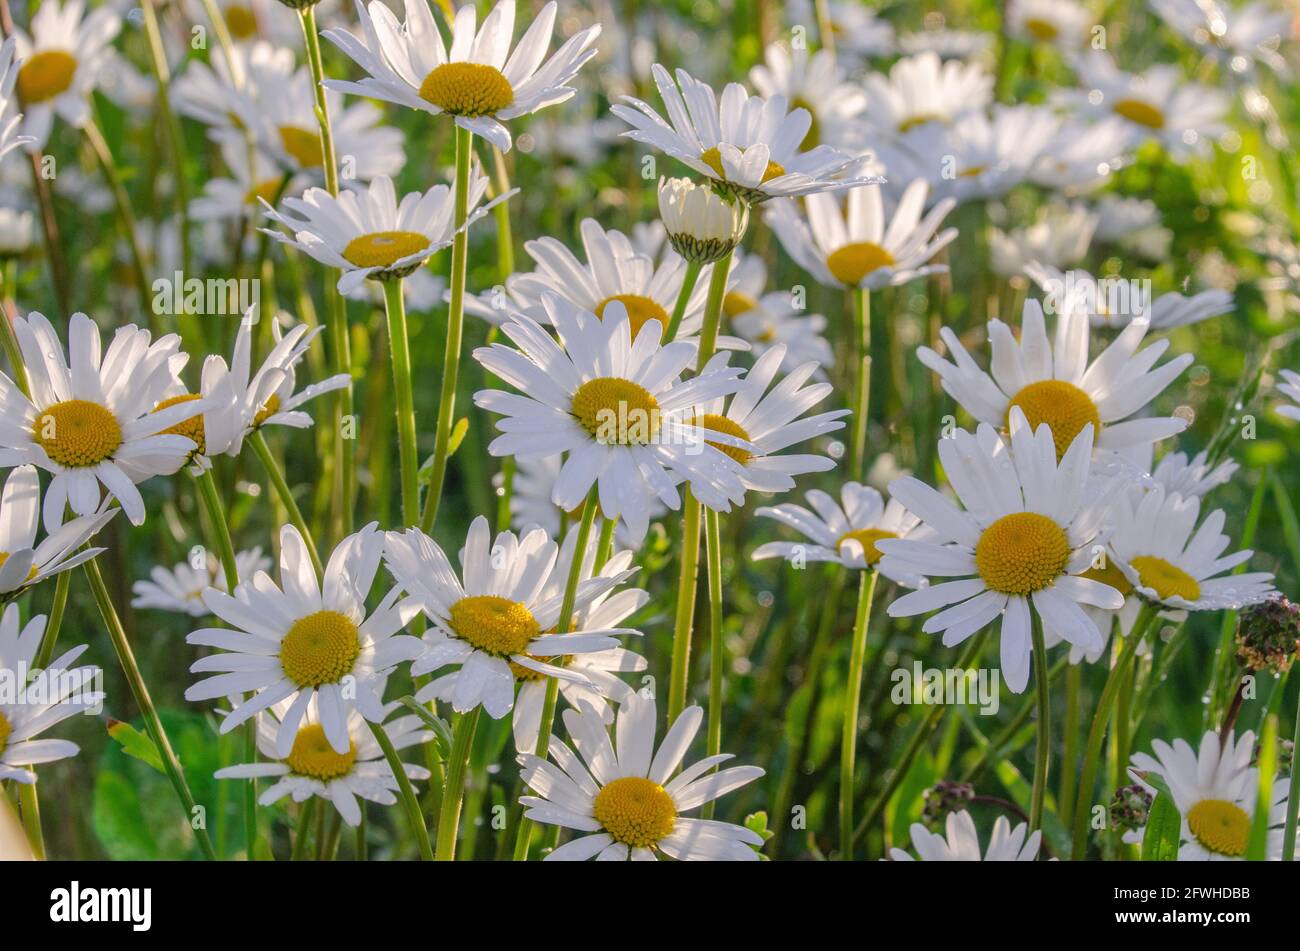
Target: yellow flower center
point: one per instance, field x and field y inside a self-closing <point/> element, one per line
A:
<point x="313" y="756"/>
<point x="191" y="428"/>
<point x="320" y="649"/>
<point x="31" y="573"/>
<point x="45" y="75"/>
<point x="384" y="248"/>
<point x="1143" y="113"/>
<point x="973" y="171"/>
<point x="1064" y="407"/>
<point x="303" y="145"/>
<point x="617" y="411"/>
<point x="814" y="135"/>
<point x="5" y="729"/>
<point x="269" y="409"/>
<point x="526" y="674"/>
<point x="1022" y="553"/>
<point x="851" y="263"/>
<point x="1041" y="30"/>
<point x="736" y="303"/>
<point x="639" y="310"/>
<point x="241" y="22"/>
<point x="1166" y="579"/>
<point x="867" y="538"/>
<point x="912" y="122"/>
<point x="721" y="424"/>
<point x="264" y="190"/>
<point x="1222" y="827"/>
<point x="1111" y="575"/>
<point x="713" y="159"/>
<point x="467" y="89"/>
<point x="494" y="624"/>
<point x="77" y="433"/>
<point x="635" y="811"/>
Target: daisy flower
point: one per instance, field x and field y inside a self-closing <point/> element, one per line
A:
<point x="1059" y="235"/>
<point x="61" y="62"/>
<point x="1023" y="536"/>
<point x="1175" y="310"/>
<point x="180" y="589"/>
<point x="473" y="81"/>
<point x="923" y="89"/>
<point x="1216" y="792"/>
<point x="96" y="420"/>
<point x="617" y="405"/>
<point x="1060" y="23"/>
<point x="24" y="563"/>
<point x="1054" y="383"/>
<point x="297" y="641"/>
<point x="225" y="93"/>
<point x="365" y="233"/>
<point x="313" y="767"/>
<point x="814" y="82"/>
<point x="1187" y="477"/>
<point x="948" y="44"/>
<point x="1290" y="388"/>
<point x="858" y="32"/>
<point x="1116" y="302"/>
<point x="746" y="146"/>
<point x="624" y="795"/>
<point x="1235" y="36"/>
<point x="253" y="178"/>
<point x="867" y="250"/>
<point x="701" y="225"/>
<point x="8" y="76"/>
<point x="962" y="843"/>
<point x="51" y="696"/>
<point x="1132" y="224"/>
<point x="1083" y="154"/>
<point x="846" y="533"/>
<point x="498" y="625"/>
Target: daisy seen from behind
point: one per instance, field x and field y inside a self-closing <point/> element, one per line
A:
<point x="9" y="123"/>
<point x="961" y="842"/>
<point x="180" y="588"/>
<point x="24" y="563"/>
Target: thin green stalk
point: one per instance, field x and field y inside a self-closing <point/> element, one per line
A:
<point x="852" y="698"/>
<point x="126" y="216"/>
<point x="153" y="723"/>
<point x="454" y="792"/>
<point x="1043" y="748"/>
<point x="1065" y="796"/>
<point x="1292" y="803"/>
<point x="994" y="748"/>
<point x="171" y="127"/>
<point x="689" y="279"/>
<point x="455" y="330"/>
<point x="400" y="346"/>
<point x="407" y="793"/>
<point x="10" y="341"/>
<point x="31" y="810"/>
<point x="505" y="237"/>
<point x="713" y="558"/>
<point x="685" y="616"/>
<point x="713" y="310"/>
<point x="862" y="379"/>
<point x="604" y="544"/>
<point x="302" y="830"/>
<point x="285" y="494"/>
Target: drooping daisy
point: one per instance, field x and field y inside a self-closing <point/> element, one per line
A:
<point x="61" y="61"/>
<point x="92" y="421"/>
<point x="701" y="226"/>
<point x="814" y="82"/>
<point x="297" y="641"/>
<point x="1215" y="790"/>
<point x="1054" y="383"/>
<point x="616" y="404"/>
<point x="923" y="89"/>
<point x="1187" y="477"/>
<point x="473" y="81"/>
<point x="9" y="140"/>
<point x="313" y="767"/>
<point x="1236" y="36"/>
<point x="1132" y="224"/>
<point x="624" y="795"/>
<point x="56" y="693"/>
<point x="24" y="563"/>
<point x="1290" y="388"/>
<point x="866" y="250"/>
<point x="181" y="587"/>
<point x="1023" y="536"/>
<point x="1059" y="236"/>
<point x="845" y="534"/>
<point x="1083" y="154"/>
<point x="1061" y="23"/>
<point x="747" y="146"/>
<point x="498" y="624"/>
<point x="961" y="843"/>
<point x="365" y="233"/>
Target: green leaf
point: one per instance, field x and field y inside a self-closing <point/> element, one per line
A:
<point x="1257" y="850"/>
<point x="135" y="743"/>
<point x="457" y="435"/>
<point x="440" y="727"/>
<point x="1163" y="831"/>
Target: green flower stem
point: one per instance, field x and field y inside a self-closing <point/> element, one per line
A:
<point x="1097" y="732"/>
<point x="455" y="330"/>
<point x="30" y="804"/>
<point x="862" y="379"/>
<point x="302" y="830"/>
<point x="171" y="127"/>
<point x="285" y="494"/>
<point x="852" y="698"/>
<point x="454" y="794"/>
<point x="219" y="27"/>
<point x="344" y="449"/>
<point x="523" y="840"/>
<point x="10" y="340"/>
<point x="409" y="801"/>
<point x="1292" y="804"/>
<point x="995" y="748"/>
<point x="713" y="310"/>
<point x="62" y="585"/>
<point x="1043" y="749"/>
<point x="1065" y="796"/>
<point x="126" y="657"/>
<point x="400" y="346"/>
<point x="689" y="279"/>
<point x="604" y="545"/>
<point x="505" y="236"/>
<point x="508" y="467"/>
<point x="713" y="559"/>
<point x="685" y="617"/>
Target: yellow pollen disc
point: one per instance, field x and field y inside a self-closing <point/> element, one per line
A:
<point x="768" y="335"/>
<point x="721" y="424"/>
<point x="1022" y="553"/>
<point x="526" y="674"/>
<point x="1166" y="579"/>
<point x="31" y="573"/>
<point x="1222" y="827"/>
<point x="467" y="89"/>
<point x="635" y="811"/>
<point x="320" y="649"/>
<point x="46" y="75"/>
<point x="912" y="122"/>
<point x="639" y="310"/>
<point x="735" y="303"/>
<point x="269" y="409"/>
<point x="77" y="433"/>
<point x="1064" y="407"/>
<point x="494" y="624"/>
<point x="384" y="248"/>
<point x="5" y="729"/>
<point x="313" y="756"/>
<point x="303" y="145"/>
<point x="851" y="263"/>
<point x="1042" y="30"/>
<point x="191" y="428"/>
<point x="814" y="135"/>
<point x="973" y="172"/>
<point x="1111" y="575"/>
<point x="616" y="411"/>
<point x="241" y="22"/>
<point x="867" y="538"/>
<point x="713" y="159"/>
<point x="1143" y="113"/>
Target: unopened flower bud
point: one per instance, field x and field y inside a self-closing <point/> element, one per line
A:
<point x="702" y="227"/>
<point x="1267" y="635"/>
<point x="1130" y="808"/>
<point x="942" y="798"/>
